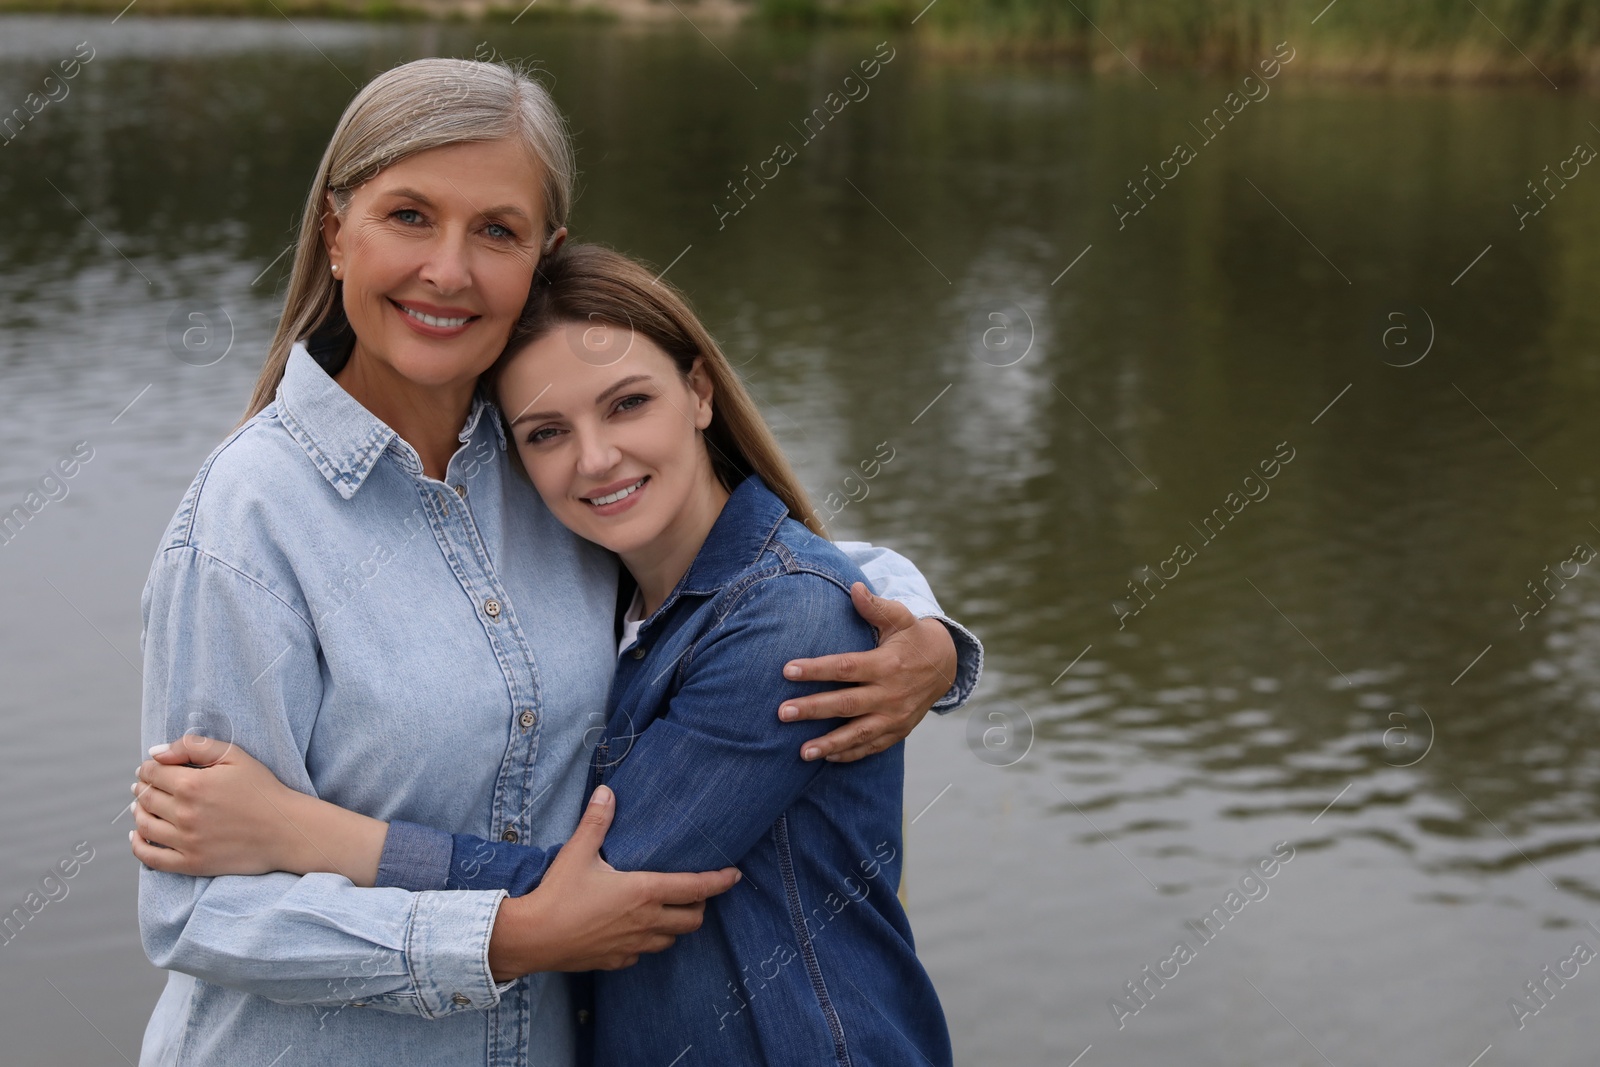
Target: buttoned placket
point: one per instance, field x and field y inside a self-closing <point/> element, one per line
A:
<point x="447" y="505"/>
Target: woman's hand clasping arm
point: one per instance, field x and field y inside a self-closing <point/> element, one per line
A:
<point x="214" y="809"/>
<point x="587" y="915"/>
<point x="229" y="815"/>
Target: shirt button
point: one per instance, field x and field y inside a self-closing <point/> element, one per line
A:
<point x="528" y="719"/>
<point x="638" y="652"/>
<point x="460" y="1000"/>
<point x="461" y="491"/>
<point x="509" y="836"/>
<point x="491" y="608"/>
<point x="583" y="1015"/>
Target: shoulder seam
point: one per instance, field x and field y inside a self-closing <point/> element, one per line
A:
<point x="249" y="579"/>
<point x="799" y="559"/>
<point x="185" y="536"/>
<point x="733" y="596"/>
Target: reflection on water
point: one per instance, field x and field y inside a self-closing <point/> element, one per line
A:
<point x="1340" y="665"/>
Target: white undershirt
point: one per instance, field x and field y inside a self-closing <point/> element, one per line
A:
<point x="632" y="619"/>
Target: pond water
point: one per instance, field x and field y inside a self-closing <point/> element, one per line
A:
<point x="1379" y="662"/>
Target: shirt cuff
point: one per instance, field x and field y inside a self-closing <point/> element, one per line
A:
<point x="969" y="664"/>
<point x="447" y="951"/>
<point x="414" y="857"/>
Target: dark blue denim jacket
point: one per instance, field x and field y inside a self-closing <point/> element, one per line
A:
<point x="809" y="959"/>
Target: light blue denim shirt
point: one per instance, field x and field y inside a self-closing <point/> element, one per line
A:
<point x="438" y="652"/>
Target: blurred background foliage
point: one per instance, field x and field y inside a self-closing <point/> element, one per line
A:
<point x="1415" y="40"/>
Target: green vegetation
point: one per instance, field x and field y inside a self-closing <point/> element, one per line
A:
<point x="1437" y="39"/>
<point x="1487" y="40"/>
<point x="371" y="10"/>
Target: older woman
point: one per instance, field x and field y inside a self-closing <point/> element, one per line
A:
<point x="358" y="591"/>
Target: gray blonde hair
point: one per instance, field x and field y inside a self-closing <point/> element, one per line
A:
<point x="427" y="103"/>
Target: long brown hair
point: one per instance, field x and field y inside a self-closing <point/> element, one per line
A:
<point x="428" y="103"/>
<point x="592" y="285"/>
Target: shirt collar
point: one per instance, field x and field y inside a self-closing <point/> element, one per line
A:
<point x="741" y="533"/>
<point x="483" y="409"/>
<point x="343" y="439"/>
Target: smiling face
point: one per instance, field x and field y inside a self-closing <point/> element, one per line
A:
<point x="436" y="253"/>
<point x="609" y="430"/>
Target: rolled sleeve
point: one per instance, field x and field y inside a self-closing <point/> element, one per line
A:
<point x="969" y="664"/>
<point x="414" y="857"/>
<point x="422" y="858"/>
<point x="894" y="577"/>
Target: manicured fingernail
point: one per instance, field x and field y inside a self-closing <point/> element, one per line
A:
<point x="738" y="876"/>
<point x="791" y="671"/>
<point x="134" y="789"/>
<point x="811" y="753"/>
<point x="788" y="713"/>
<point x="131" y="836"/>
<point x="156" y="750"/>
<point x="134" y="806"/>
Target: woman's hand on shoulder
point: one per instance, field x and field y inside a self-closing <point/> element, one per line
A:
<point x="897" y="683"/>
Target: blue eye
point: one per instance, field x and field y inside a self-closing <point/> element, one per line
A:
<point x="501" y="233"/>
<point x="408" y="215"/>
<point x="629" y="403"/>
<point x="540" y="436"/>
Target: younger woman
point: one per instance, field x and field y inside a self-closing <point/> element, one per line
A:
<point x="639" y="437"/>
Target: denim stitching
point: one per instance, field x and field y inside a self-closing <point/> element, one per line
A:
<point x="191" y="501"/>
<point x="780" y="833"/>
<point x="208" y="557"/>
